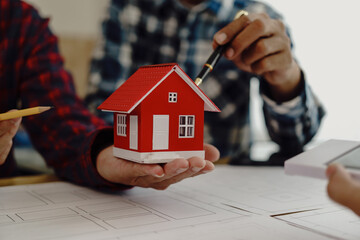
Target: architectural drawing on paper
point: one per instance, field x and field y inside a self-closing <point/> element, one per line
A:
<point x="66" y="211"/>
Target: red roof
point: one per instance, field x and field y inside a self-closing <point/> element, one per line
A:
<point x="142" y="83"/>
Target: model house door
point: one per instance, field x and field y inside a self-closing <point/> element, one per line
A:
<point x="160" y="132"/>
<point x="133" y="132"/>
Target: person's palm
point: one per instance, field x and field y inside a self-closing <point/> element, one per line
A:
<point x="153" y="175"/>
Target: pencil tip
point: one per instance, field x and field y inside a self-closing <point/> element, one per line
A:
<point x="45" y="108"/>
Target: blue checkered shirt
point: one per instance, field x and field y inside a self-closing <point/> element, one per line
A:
<point x="143" y="32"/>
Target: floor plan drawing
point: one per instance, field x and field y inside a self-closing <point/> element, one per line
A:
<point x="232" y="202"/>
<point x="84" y="212"/>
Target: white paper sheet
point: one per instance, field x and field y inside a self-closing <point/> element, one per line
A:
<point x="250" y="228"/>
<point x="232" y="202"/>
<point x="261" y="190"/>
<point x="64" y="211"/>
<point x="335" y="221"/>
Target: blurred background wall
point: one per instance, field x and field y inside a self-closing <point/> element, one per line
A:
<point x="327" y="46"/>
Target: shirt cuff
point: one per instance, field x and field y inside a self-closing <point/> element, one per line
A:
<point x="294" y="107"/>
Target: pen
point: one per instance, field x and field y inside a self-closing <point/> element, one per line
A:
<point x="215" y="56"/>
<point x="23" y="112"/>
<point x="210" y="64"/>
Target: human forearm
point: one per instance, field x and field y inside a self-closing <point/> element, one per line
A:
<point x="82" y="169"/>
<point x="65" y="135"/>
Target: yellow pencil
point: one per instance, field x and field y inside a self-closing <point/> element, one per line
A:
<point x="23" y="112"/>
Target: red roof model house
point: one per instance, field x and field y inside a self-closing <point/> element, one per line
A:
<point x="158" y="115"/>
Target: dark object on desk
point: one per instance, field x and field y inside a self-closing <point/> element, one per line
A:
<point x="275" y="159"/>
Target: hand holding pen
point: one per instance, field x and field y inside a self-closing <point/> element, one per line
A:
<point x="215" y="56"/>
<point x="260" y="45"/>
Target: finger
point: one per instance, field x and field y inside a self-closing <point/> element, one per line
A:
<point x="4" y="126"/>
<point x="171" y="169"/>
<point x="341" y="186"/>
<point x="6" y="141"/>
<point x="341" y="172"/>
<point x="4" y="151"/>
<point x="271" y="63"/>
<point x="257" y="28"/>
<point x="262" y="48"/>
<point x="227" y="33"/>
<point x="15" y="126"/>
<point x="176" y="167"/>
<point x="179" y="166"/>
<point x="209" y="167"/>
<point x="9" y="126"/>
<point x="196" y="164"/>
<point x="180" y="169"/>
<point x="189" y="167"/>
<point x="135" y="170"/>
<point x="143" y="175"/>
<point x="331" y="169"/>
<point x="211" y="153"/>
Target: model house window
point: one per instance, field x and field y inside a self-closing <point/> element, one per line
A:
<point x="173" y="97"/>
<point x="186" y="126"/>
<point x="121" y="125"/>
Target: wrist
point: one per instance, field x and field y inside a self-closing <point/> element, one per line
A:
<point x="289" y="85"/>
<point x="103" y="140"/>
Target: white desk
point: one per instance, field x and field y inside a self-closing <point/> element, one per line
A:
<point x="230" y="203"/>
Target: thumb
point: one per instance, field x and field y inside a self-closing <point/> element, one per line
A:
<point x="211" y="153"/>
<point x="336" y="170"/>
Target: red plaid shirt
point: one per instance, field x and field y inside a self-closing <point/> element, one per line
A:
<point x="32" y="74"/>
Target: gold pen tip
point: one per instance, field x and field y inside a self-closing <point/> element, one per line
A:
<point x="198" y="81"/>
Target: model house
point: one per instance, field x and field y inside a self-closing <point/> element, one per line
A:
<point x="158" y="115"/>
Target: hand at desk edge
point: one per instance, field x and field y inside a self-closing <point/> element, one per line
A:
<point x="343" y="188"/>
